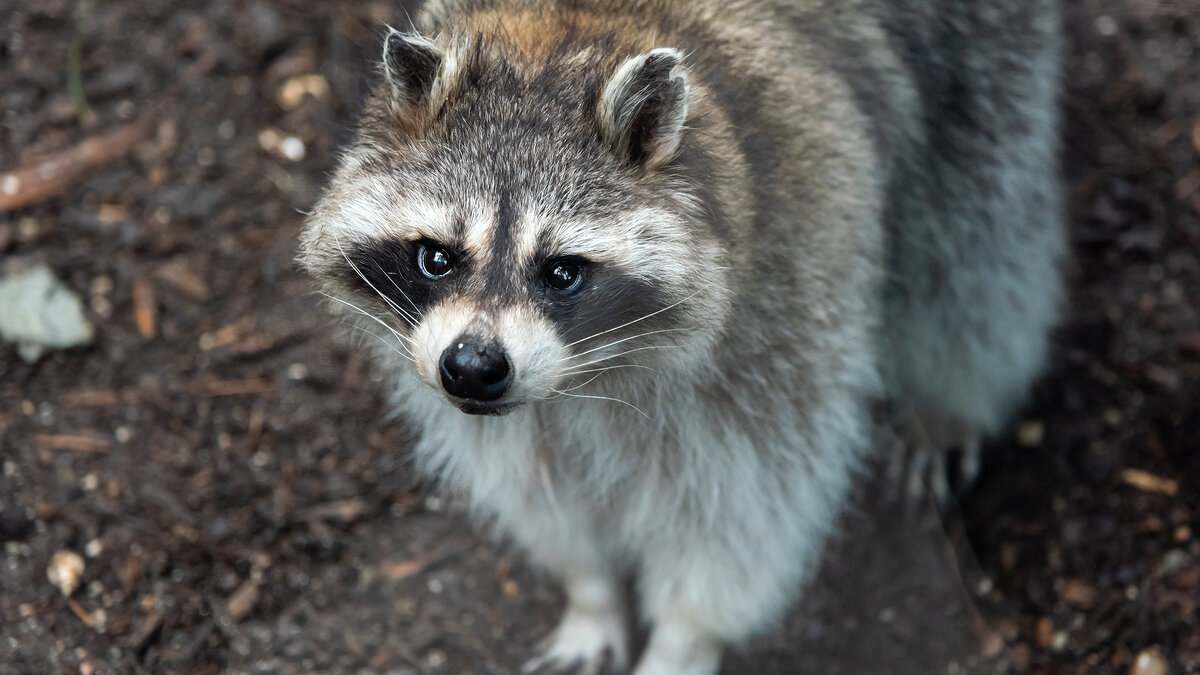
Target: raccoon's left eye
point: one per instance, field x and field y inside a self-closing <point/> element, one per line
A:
<point x="564" y="275"/>
<point x="435" y="261"/>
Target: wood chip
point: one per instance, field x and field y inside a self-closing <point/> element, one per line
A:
<point x="1044" y="631"/>
<point x="1148" y="482"/>
<point x="243" y="600"/>
<point x="145" y="631"/>
<point x="234" y="387"/>
<point x="49" y="176"/>
<point x="182" y="279"/>
<point x="226" y="335"/>
<point x="91" y="399"/>
<point x="89" y="444"/>
<point x="97" y="620"/>
<point x="397" y="570"/>
<point x="344" y="511"/>
<point x="113" y="213"/>
<point x="144" y="309"/>
<point x="1079" y="593"/>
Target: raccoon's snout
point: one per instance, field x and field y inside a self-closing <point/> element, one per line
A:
<point x="473" y="369"/>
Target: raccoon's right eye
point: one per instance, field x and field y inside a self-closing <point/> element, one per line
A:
<point x="435" y="261"/>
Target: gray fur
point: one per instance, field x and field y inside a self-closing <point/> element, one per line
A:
<point x="854" y="199"/>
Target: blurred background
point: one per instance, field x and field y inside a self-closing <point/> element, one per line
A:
<point x="198" y="474"/>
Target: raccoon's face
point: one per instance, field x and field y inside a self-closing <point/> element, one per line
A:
<point x="519" y="233"/>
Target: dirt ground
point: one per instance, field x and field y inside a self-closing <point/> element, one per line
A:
<point x="221" y="462"/>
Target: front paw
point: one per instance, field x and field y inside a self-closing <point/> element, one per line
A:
<point x="586" y="642"/>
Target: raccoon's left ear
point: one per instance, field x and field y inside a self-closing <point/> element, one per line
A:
<point x="644" y="106"/>
<point x="411" y="64"/>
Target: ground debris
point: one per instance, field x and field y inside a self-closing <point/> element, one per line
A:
<point x="47" y="177"/>
<point x="38" y="312"/>
<point x="65" y="571"/>
<point x="1149" y="662"/>
<point x="1149" y="482"/>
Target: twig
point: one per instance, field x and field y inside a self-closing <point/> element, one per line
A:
<point x="73" y="442"/>
<point x="49" y="176"/>
<point x="235" y="387"/>
<point x="1148" y="482"/>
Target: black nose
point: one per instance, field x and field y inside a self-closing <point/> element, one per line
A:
<point x="474" y="369"/>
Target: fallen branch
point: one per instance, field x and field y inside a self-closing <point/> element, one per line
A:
<point x="49" y="176"/>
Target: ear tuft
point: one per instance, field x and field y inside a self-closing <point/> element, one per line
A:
<point x="644" y="106"/>
<point x="411" y="64"/>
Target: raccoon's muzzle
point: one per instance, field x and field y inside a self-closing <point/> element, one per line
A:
<point x="475" y="370"/>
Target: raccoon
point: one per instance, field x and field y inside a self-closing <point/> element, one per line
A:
<point x="639" y="270"/>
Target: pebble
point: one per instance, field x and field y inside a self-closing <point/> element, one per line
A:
<point x="1149" y="662"/>
<point x="38" y="312"/>
<point x="1174" y="562"/>
<point x="65" y="570"/>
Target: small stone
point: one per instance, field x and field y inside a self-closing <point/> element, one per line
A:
<point x="1149" y="662"/>
<point x="65" y="570"/>
<point x="292" y="148"/>
<point x="93" y="548"/>
<point x="1079" y="593"/>
<point x="1030" y="433"/>
<point x="435" y="659"/>
<point x="37" y="312"/>
<point x="1174" y="562"/>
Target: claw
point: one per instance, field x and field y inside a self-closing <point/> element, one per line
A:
<point x="585" y="643"/>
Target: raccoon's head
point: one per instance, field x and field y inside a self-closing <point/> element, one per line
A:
<point x="520" y="226"/>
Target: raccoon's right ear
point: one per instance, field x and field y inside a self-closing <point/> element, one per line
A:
<point x="411" y="64"/>
<point x="644" y="106"/>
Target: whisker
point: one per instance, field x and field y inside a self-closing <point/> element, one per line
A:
<point x="613" y="356"/>
<point x="404" y="340"/>
<point x="605" y="398"/>
<point x="397" y="286"/>
<point x="600" y="370"/>
<point x="381" y="339"/>
<point x="625" y="339"/>
<point x="584" y="384"/>
<point x="642" y="318"/>
<point x="411" y="320"/>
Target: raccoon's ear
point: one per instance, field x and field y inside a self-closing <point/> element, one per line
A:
<point x="411" y="64"/>
<point x="644" y="106"/>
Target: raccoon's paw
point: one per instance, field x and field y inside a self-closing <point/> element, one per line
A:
<point x="917" y="471"/>
<point x="586" y="642"/>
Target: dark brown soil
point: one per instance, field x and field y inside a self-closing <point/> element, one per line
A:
<point x="222" y="461"/>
